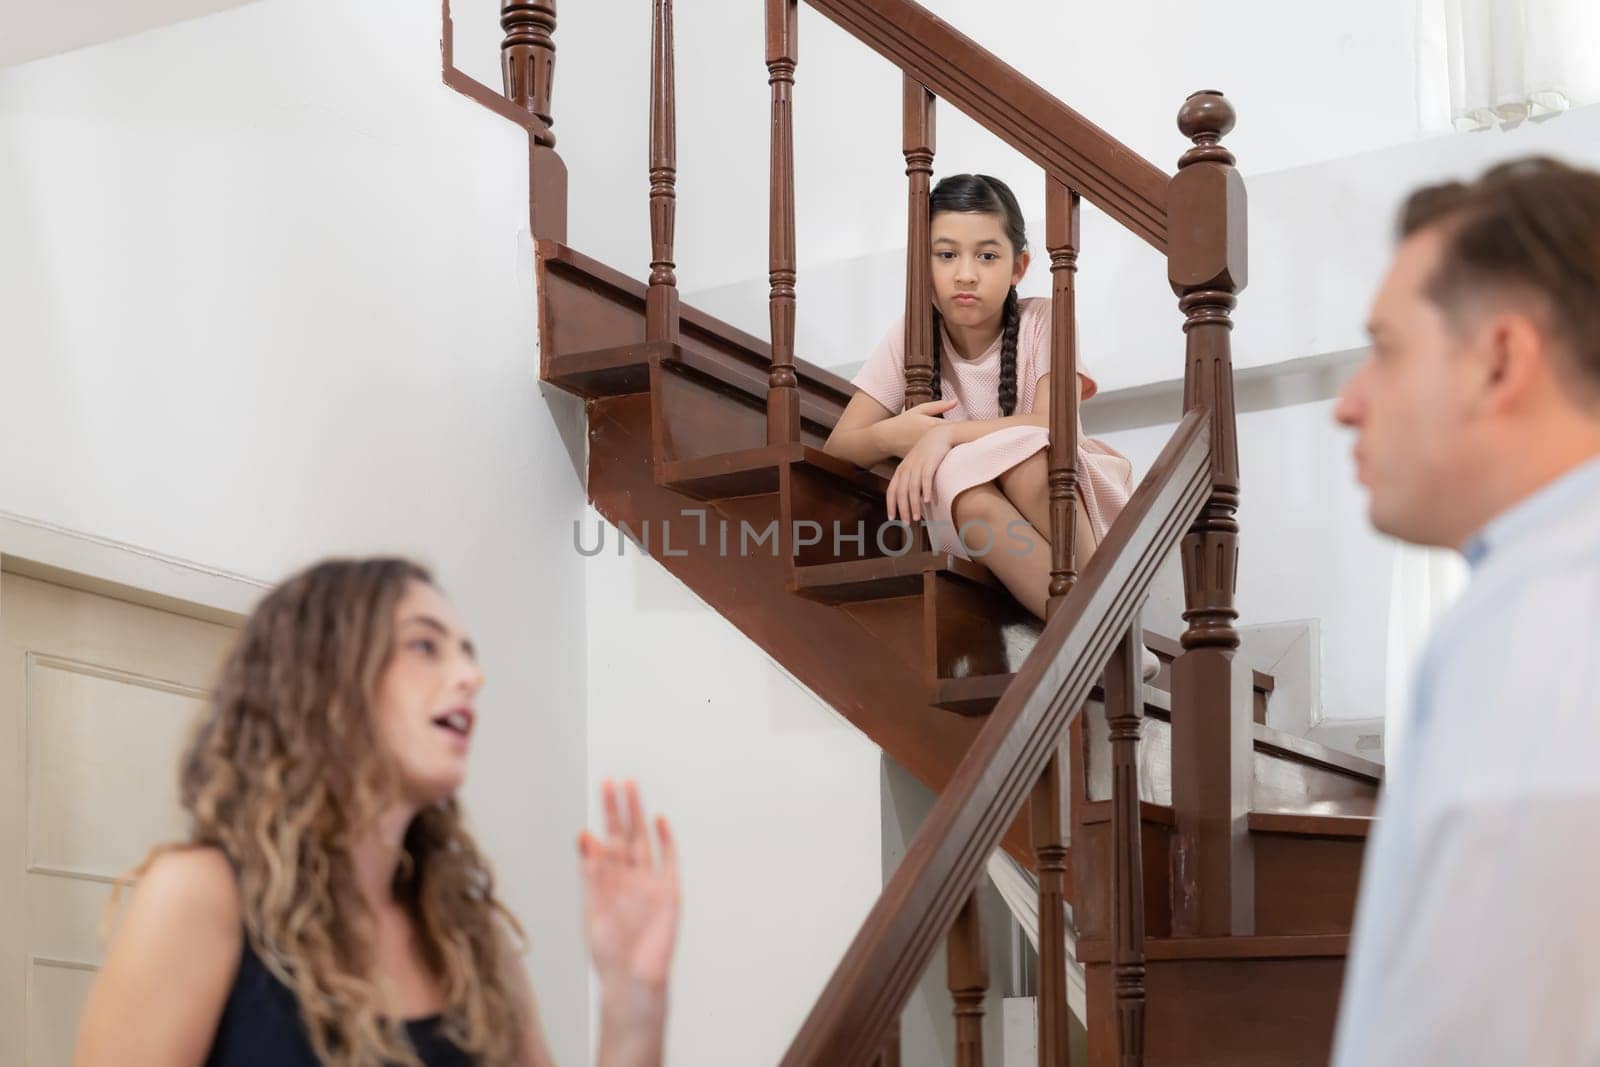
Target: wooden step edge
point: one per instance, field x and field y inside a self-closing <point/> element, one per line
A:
<point x="1307" y="751"/>
<point x="963" y="695"/>
<point x="746" y="472"/>
<point x="870" y="482"/>
<point x="1264" y="947"/>
<point x="1169" y="649"/>
<point x="856" y="580"/>
<point x="606" y="372"/>
<point x="973" y="696"/>
<point x="1099" y="811"/>
<point x="883" y="577"/>
<point x="697" y="324"/>
<point x="748" y="383"/>
<point x="1311" y="824"/>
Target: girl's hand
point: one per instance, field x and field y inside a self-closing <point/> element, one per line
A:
<point x="910" y="496"/>
<point x="630" y="900"/>
<point x="912" y="424"/>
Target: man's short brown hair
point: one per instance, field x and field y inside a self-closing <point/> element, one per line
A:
<point x="1531" y="224"/>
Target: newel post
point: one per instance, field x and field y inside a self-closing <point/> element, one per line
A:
<point x="527" y="71"/>
<point x="1212" y="728"/>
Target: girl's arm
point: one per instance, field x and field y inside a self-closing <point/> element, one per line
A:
<point x="911" y="488"/>
<point x="159" y="997"/>
<point x="962" y="432"/>
<point x="869" y="433"/>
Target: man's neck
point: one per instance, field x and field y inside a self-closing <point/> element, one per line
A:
<point x="1546" y="460"/>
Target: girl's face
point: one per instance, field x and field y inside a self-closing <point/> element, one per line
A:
<point x="424" y="707"/>
<point x="974" y="267"/>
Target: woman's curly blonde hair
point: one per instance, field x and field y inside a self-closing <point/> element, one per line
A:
<point x="286" y="773"/>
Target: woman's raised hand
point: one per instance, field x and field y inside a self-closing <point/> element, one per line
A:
<point x="630" y="895"/>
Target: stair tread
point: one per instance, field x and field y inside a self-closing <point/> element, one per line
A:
<point x="750" y="471"/>
<point x="602" y="372"/>
<point x="882" y="577"/>
<point x="745" y="472"/>
<point x="976" y="686"/>
<point x="1311" y="824"/>
<point x="1242" y="947"/>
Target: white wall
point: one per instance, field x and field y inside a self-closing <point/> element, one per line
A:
<point x="774" y="796"/>
<point x="1311" y="83"/>
<point x="1306" y="550"/>
<point x="263" y="297"/>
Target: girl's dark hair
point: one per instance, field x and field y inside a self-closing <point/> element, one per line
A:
<point x="979" y="194"/>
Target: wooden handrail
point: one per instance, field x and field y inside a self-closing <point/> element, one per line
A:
<point x="943" y="862"/>
<point x="1068" y="146"/>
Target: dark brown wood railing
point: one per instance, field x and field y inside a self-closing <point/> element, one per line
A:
<point x="783" y="392"/>
<point x="945" y="859"/>
<point x="1197" y="219"/>
<point x="918" y="137"/>
<point x="957" y="69"/>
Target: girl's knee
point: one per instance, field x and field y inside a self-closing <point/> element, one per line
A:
<point x="981" y="503"/>
<point x="1031" y="476"/>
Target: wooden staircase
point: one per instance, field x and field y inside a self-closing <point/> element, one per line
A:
<point x="1213" y="861"/>
<point x="915" y="649"/>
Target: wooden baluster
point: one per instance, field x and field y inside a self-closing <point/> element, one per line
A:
<point x="661" y="299"/>
<point x="783" y="394"/>
<point x="1061" y="239"/>
<point x="968" y="978"/>
<point x="527" y="71"/>
<point x="1212" y="730"/>
<point x="1047" y="819"/>
<point x="918" y="112"/>
<point x="1124" y="689"/>
<point x="528" y="55"/>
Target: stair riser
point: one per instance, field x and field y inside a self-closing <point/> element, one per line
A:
<point x="815" y="507"/>
<point x="1224" y="1013"/>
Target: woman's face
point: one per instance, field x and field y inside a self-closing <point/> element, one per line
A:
<point x="425" y="710"/>
<point x="974" y="267"/>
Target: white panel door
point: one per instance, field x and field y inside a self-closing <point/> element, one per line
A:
<point x="97" y="699"/>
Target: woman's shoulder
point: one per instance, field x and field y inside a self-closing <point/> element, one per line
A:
<point x="193" y="880"/>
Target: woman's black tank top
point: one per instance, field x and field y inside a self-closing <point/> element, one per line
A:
<point x="261" y="1026"/>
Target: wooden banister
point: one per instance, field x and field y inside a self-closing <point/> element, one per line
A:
<point x="783" y="398"/>
<point x="967" y="977"/>
<point x="964" y="74"/>
<point x="528" y="58"/>
<point x="1047" y="823"/>
<point x="945" y="859"/>
<point x="1061" y="241"/>
<point x="661" y="300"/>
<point x="918" y="146"/>
<point x="1212" y="700"/>
<point x="1124" y="690"/>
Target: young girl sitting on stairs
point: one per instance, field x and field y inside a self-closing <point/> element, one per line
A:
<point x="973" y="461"/>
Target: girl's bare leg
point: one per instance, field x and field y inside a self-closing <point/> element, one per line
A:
<point x="1003" y="540"/>
<point x="1027" y="486"/>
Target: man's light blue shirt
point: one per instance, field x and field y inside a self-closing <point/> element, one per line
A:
<point x="1477" y="936"/>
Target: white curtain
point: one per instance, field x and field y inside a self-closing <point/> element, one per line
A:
<point x="1424" y="583"/>
<point x="1495" y="63"/>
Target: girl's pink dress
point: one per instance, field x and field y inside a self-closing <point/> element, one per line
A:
<point x="1105" y="477"/>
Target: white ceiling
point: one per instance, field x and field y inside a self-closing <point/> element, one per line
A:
<point x="33" y="29"/>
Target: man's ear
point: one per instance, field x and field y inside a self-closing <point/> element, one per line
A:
<point x="1517" y="359"/>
